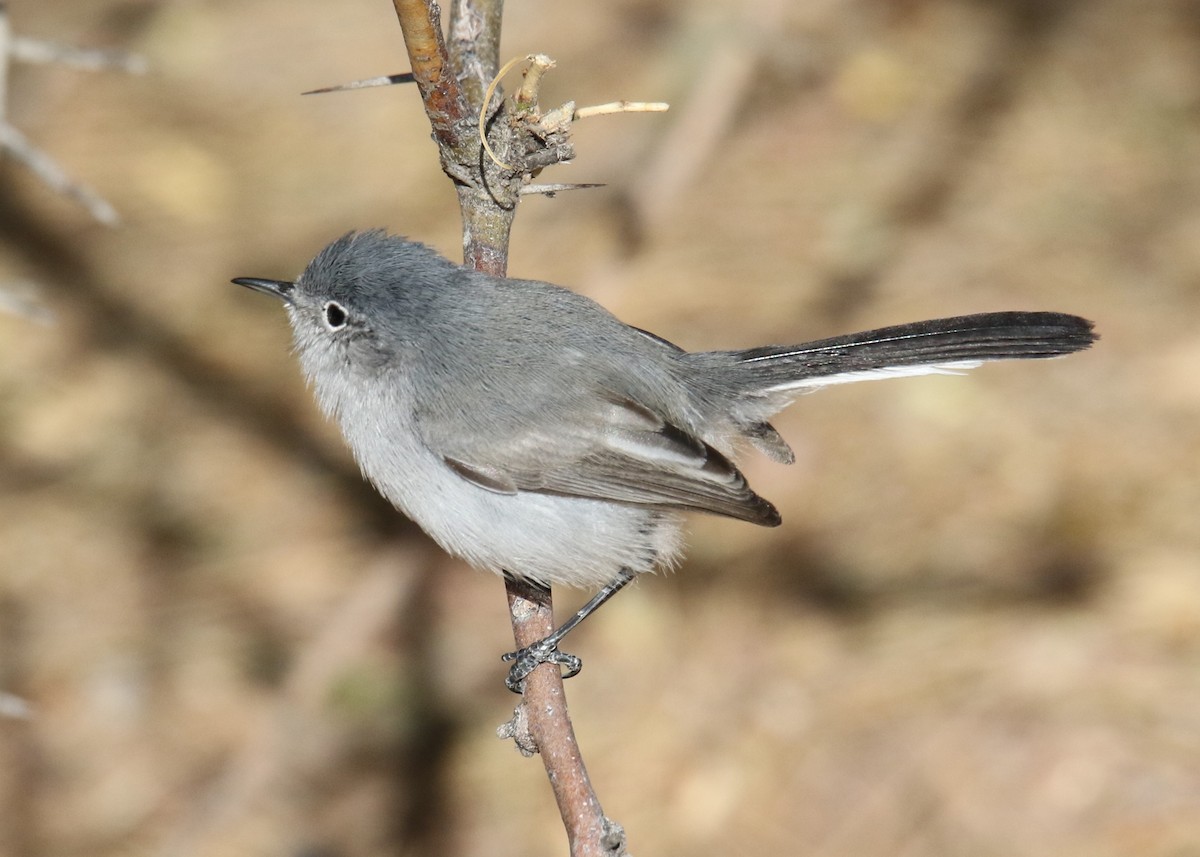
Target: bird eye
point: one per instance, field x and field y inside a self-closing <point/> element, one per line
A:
<point x="335" y="315"/>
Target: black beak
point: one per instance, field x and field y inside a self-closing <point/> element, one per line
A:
<point x="279" y="288"/>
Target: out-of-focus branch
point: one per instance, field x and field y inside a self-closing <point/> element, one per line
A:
<point x="83" y="59"/>
<point x="22" y="300"/>
<point x="14" y="143"/>
<point x="363" y="613"/>
<point x="54" y="176"/>
<point x="717" y="91"/>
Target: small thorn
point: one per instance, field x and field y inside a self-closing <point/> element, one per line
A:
<point x="551" y="189"/>
<point x="386" y="80"/>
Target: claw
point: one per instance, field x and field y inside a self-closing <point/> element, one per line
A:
<point x="526" y="660"/>
<point x="545" y="651"/>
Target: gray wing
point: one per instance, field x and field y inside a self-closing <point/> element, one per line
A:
<point x="604" y="447"/>
<point x="538" y="395"/>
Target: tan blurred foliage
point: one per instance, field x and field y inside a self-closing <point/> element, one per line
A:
<point x="977" y="632"/>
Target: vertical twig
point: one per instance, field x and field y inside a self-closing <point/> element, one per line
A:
<point x="452" y="84"/>
<point x="475" y="43"/>
<point x="589" y="831"/>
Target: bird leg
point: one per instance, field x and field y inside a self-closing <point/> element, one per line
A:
<point x="545" y="650"/>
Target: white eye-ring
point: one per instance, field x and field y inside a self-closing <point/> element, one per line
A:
<point x="335" y="315"/>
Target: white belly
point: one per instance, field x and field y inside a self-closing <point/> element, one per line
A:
<point x="542" y="537"/>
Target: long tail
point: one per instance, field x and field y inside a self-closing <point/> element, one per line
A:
<point x="943" y="345"/>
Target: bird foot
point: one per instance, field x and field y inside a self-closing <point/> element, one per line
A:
<point x="526" y="660"/>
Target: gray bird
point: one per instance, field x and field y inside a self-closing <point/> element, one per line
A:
<point x="533" y="434"/>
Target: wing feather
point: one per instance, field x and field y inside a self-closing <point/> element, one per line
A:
<point x="621" y="451"/>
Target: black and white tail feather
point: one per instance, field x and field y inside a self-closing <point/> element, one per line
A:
<point x="771" y="377"/>
<point x="936" y="347"/>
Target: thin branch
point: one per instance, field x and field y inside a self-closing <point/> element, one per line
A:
<point x="542" y="724"/>
<point x="488" y="195"/>
<point x="622" y="107"/>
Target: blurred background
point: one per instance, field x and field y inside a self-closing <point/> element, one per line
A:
<point x="977" y="631"/>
